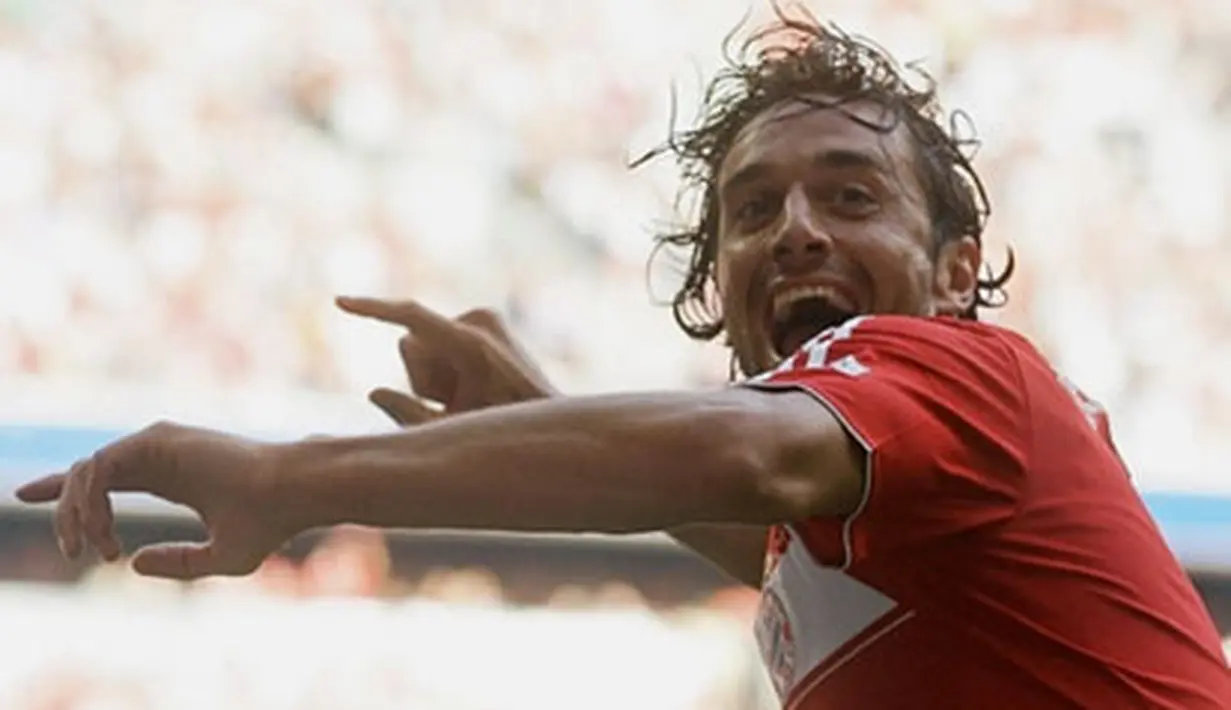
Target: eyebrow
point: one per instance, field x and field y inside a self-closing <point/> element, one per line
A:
<point x="839" y="158"/>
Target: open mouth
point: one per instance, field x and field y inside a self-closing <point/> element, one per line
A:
<point x="797" y="320"/>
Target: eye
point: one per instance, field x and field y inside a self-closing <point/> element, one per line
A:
<point x="853" y="200"/>
<point x="756" y="209"/>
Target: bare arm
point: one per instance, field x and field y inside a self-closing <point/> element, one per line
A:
<point x="478" y="351"/>
<point x="738" y="550"/>
<point x="610" y="464"/>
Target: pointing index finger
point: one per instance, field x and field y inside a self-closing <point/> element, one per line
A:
<point x="43" y="490"/>
<point x="408" y="314"/>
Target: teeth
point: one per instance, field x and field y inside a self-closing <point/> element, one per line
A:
<point x="791" y="296"/>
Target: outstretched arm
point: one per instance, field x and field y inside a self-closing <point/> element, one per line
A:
<point x="738" y="550"/>
<point x="473" y="362"/>
<point x="614" y="464"/>
<point x="704" y="466"/>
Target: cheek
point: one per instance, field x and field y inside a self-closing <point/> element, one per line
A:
<point x="900" y="270"/>
<point x="732" y="274"/>
<point x="732" y="304"/>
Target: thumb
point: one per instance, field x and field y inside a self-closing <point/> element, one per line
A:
<point x="178" y="560"/>
<point x="403" y="409"/>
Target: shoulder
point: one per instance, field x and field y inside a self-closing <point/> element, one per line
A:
<point x="941" y="352"/>
<point x="887" y="375"/>
<point x="937" y="407"/>
<point x="940" y="333"/>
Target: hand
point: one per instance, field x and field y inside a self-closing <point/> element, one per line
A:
<point x="459" y="365"/>
<point x="226" y="480"/>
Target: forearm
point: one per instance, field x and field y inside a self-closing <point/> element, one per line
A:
<point x="605" y="464"/>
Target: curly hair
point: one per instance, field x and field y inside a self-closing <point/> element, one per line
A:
<point x="799" y="58"/>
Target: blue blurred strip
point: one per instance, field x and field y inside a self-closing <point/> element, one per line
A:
<point x="1197" y="526"/>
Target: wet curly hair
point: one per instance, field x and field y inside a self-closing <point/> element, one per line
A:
<point x="797" y="57"/>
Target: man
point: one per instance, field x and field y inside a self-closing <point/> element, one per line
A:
<point x="949" y="525"/>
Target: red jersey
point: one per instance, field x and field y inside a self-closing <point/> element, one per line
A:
<point x="1000" y="556"/>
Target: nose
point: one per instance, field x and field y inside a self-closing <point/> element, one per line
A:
<point x="801" y="244"/>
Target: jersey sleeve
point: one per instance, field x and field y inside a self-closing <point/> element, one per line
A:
<point x="939" y="408"/>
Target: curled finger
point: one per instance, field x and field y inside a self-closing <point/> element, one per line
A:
<point x="429" y="375"/>
<point x="67" y="519"/>
<point x="97" y="517"/>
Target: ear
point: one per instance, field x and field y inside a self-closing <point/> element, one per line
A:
<point x="956" y="279"/>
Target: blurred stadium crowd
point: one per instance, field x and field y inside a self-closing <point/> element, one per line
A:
<point x="183" y="187"/>
<point x="336" y="631"/>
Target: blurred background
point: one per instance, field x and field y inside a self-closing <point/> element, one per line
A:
<point x="185" y="186"/>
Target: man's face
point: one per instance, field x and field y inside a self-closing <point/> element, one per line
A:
<point x="822" y="218"/>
